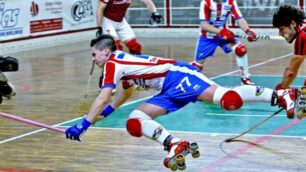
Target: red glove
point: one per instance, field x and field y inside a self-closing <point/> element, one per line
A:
<point x="251" y="35"/>
<point x="278" y="87"/>
<point x="227" y="35"/>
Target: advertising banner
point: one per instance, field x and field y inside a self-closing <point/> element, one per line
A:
<point x="79" y="14"/>
<point x="46" y="16"/>
<point x="24" y="18"/>
<point x="14" y="19"/>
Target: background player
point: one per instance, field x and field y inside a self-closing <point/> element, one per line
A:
<point x="179" y="84"/>
<point x="290" y="22"/>
<point x="111" y="21"/>
<point x="214" y="33"/>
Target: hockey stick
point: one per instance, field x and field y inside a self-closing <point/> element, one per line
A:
<point x="262" y="37"/>
<point x="231" y="139"/>
<point x="31" y="122"/>
<point x="89" y="79"/>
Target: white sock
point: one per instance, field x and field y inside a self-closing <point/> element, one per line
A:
<point x="251" y="93"/>
<point x="243" y="64"/>
<point x="150" y="128"/>
<point x="248" y="93"/>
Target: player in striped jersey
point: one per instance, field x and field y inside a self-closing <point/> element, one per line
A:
<point x="179" y="83"/>
<point x="214" y="33"/>
<point x="291" y="24"/>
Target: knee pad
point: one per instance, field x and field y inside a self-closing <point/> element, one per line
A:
<point x="231" y="100"/>
<point x="240" y="50"/>
<point x="133" y="126"/>
<point x="134" y="46"/>
<point x="119" y="45"/>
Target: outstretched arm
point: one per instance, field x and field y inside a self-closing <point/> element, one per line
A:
<point x="150" y="5"/>
<point x="99" y="104"/>
<point x="75" y="132"/>
<point x="292" y="70"/>
<point x="100" y="13"/>
<point x="245" y="27"/>
<point x="121" y="96"/>
<point x="243" y="24"/>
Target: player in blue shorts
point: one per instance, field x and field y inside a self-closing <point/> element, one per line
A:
<point x="179" y="83"/>
<point x="214" y="33"/>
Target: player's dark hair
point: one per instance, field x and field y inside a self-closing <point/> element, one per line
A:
<point x="104" y="41"/>
<point x="285" y="14"/>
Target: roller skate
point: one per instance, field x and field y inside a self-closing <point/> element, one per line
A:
<point x="177" y="152"/>
<point x="300" y="107"/>
<point x="287" y="99"/>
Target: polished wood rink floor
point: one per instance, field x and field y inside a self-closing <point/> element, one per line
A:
<point x="51" y="84"/>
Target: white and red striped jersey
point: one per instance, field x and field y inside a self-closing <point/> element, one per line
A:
<point x="116" y="9"/>
<point x="217" y="14"/>
<point x="146" y="71"/>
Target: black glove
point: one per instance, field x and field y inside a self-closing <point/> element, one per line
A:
<point x="155" y="18"/>
<point x="99" y="32"/>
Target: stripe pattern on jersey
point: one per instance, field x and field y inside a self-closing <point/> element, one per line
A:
<point x="124" y="66"/>
<point x="217" y="14"/>
<point x="116" y="9"/>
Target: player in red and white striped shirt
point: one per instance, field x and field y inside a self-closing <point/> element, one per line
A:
<point x="214" y="15"/>
<point x="178" y="83"/>
<point x="291" y="24"/>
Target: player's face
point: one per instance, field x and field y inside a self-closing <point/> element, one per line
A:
<point x="100" y="57"/>
<point x="288" y="32"/>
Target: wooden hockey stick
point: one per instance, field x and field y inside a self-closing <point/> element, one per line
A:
<point x="31" y="122"/>
<point x="252" y="128"/>
<point x="89" y="79"/>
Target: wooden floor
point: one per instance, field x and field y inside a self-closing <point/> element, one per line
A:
<point x="51" y="84"/>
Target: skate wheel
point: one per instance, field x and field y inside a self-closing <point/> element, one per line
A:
<point x="181" y="166"/>
<point x="194" y="146"/>
<point x="196" y="154"/>
<point x="180" y="159"/>
<point x="173" y="167"/>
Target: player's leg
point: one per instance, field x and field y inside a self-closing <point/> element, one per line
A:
<point x="240" y="52"/>
<point x="127" y="35"/>
<point x="110" y="27"/>
<point x="205" y="48"/>
<point x="233" y="99"/>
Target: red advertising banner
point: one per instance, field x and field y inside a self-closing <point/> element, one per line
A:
<point x="46" y="25"/>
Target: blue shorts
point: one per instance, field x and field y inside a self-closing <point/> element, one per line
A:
<point x="183" y="84"/>
<point x="206" y="47"/>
